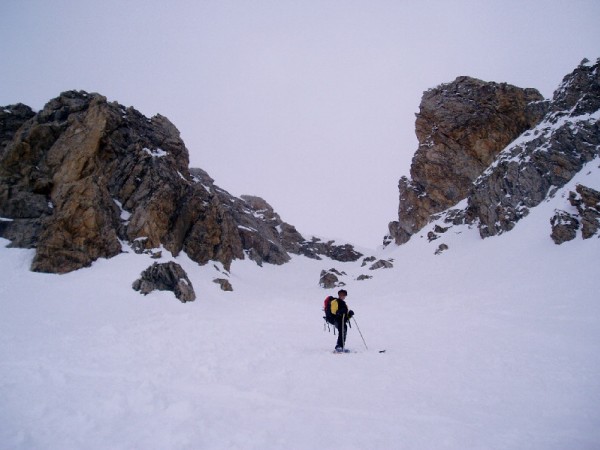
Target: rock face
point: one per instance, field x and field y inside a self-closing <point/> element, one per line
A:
<point x="84" y="176"/>
<point x="541" y="160"/>
<point x="504" y="151"/>
<point x="12" y="117"/>
<point x="587" y="202"/>
<point x="461" y="127"/>
<point x="166" y="277"/>
<point x="565" y="225"/>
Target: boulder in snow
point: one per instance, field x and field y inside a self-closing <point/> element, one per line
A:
<point x="224" y="283"/>
<point x="166" y="277"/>
<point x="329" y="279"/>
<point x="564" y="227"/>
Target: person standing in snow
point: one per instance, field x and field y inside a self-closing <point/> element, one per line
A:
<point x="339" y="309"/>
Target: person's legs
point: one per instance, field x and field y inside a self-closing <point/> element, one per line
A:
<point x="342" y="329"/>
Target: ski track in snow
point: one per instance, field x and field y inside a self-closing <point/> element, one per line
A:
<point x="491" y="345"/>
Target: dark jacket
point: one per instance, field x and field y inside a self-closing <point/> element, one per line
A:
<point x="342" y="318"/>
<point x="342" y="309"/>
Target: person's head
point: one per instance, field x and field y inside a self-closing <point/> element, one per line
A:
<point x="342" y="294"/>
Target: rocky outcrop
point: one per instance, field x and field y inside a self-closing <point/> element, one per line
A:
<point x="503" y="165"/>
<point x="23" y="232"/>
<point x="166" y="277"/>
<point x="587" y="202"/>
<point x="330" y="279"/>
<point x="441" y="248"/>
<point x="49" y="187"/>
<point x="367" y="260"/>
<point x="541" y="160"/>
<point x="565" y="225"/>
<point x="461" y="127"/>
<point x="382" y="264"/>
<point x="12" y="117"/>
<point x="84" y="176"/>
<point x="224" y="284"/>
<point x="315" y="248"/>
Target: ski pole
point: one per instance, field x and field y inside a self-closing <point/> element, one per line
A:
<point x="358" y="328"/>
<point x="343" y="331"/>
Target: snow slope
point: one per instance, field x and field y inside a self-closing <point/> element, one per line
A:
<point x="491" y="345"/>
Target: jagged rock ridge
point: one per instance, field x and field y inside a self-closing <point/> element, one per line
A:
<point x="543" y="159"/>
<point x="84" y="177"/>
<point x="534" y="148"/>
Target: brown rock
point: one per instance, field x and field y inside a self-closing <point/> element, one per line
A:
<point x="564" y="227"/>
<point x="84" y="175"/>
<point x="329" y="279"/>
<point x="461" y="127"/>
<point x="382" y="264"/>
<point x="587" y="201"/>
<point x="81" y="230"/>
<point x="166" y="277"/>
<point x="224" y="283"/>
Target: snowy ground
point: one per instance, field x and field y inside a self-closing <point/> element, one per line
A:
<point x="493" y="344"/>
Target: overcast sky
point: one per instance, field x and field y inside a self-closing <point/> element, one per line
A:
<point x="308" y="104"/>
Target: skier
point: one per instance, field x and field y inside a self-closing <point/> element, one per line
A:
<point x="339" y="309"/>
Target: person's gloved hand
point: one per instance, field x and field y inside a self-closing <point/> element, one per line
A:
<point x="350" y="313"/>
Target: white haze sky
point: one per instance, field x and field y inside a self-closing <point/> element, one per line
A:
<point x="308" y="104"/>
